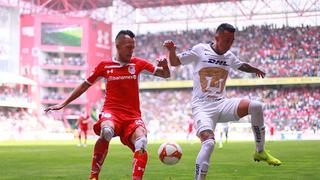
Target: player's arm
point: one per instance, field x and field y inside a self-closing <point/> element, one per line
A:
<point x="173" y="58"/>
<point x="74" y="95"/>
<point x="162" y="68"/>
<point x="245" y="67"/>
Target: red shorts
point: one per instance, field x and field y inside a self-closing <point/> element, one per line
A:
<point x="83" y="128"/>
<point x="122" y="128"/>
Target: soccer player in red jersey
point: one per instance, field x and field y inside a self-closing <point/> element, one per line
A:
<point x="121" y="114"/>
<point x="82" y="124"/>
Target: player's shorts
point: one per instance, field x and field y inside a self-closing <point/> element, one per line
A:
<point x="83" y="128"/>
<point x="207" y="114"/>
<point x="122" y="128"/>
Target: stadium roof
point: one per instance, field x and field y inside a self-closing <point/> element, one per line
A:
<point x="159" y="3"/>
<point x="70" y="5"/>
<point x="9" y="78"/>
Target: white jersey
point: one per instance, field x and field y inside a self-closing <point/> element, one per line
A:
<point x="210" y="71"/>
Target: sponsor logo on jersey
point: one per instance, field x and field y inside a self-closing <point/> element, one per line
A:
<point x="131" y="70"/>
<point x="106" y="115"/>
<point x="186" y="53"/>
<point x="218" y="62"/>
<point x="115" y="78"/>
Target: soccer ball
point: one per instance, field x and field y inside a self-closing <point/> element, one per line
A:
<point x="169" y="153"/>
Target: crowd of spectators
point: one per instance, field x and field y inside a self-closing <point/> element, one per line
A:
<point x="18" y="123"/>
<point x="280" y="52"/>
<point x="54" y="78"/>
<point x="70" y="61"/>
<point x="285" y="108"/>
<point x="15" y="93"/>
<point x="55" y="95"/>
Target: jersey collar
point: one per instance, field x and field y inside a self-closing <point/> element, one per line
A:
<point x="121" y="63"/>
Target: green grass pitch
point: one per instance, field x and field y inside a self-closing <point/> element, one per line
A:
<point x="68" y="38"/>
<point x="42" y="160"/>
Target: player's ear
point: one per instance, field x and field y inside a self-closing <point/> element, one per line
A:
<point x="216" y="37"/>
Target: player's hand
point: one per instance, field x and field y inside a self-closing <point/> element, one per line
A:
<point x="260" y="73"/>
<point x="54" y="108"/>
<point x="162" y="62"/>
<point x="169" y="44"/>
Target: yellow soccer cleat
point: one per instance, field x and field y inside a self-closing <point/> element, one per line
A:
<point x="265" y="156"/>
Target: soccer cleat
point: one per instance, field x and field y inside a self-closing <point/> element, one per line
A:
<point x="94" y="177"/>
<point x="265" y="156"/>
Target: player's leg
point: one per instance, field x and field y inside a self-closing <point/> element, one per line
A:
<point x="140" y="157"/>
<point x="205" y="117"/>
<point x="204" y="155"/>
<point x="85" y="137"/>
<point x="79" y="137"/>
<point x="221" y="139"/>
<point x="226" y="133"/>
<point x="101" y="147"/>
<point x="255" y="109"/>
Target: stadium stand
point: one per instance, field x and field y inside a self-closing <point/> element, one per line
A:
<point x="287" y="108"/>
<point x="273" y="49"/>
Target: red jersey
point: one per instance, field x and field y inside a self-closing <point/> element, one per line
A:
<point x="82" y="121"/>
<point x="83" y="124"/>
<point x="122" y="89"/>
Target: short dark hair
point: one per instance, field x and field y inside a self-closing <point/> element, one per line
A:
<point x="125" y="32"/>
<point x="225" y="26"/>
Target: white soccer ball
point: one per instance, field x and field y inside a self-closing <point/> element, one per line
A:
<point x="169" y="153"/>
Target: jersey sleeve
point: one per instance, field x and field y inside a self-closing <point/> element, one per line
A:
<point x="96" y="74"/>
<point x="146" y="67"/>
<point x="189" y="56"/>
<point x="235" y="62"/>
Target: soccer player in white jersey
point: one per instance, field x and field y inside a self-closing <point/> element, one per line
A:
<point x="223" y="130"/>
<point x="212" y="63"/>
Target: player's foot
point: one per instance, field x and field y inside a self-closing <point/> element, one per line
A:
<point x="94" y="177"/>
<point x="79" y="144"/>
<point x="265" y="156"/>
<point x="220" y="146"/>
<point x="84" y="145"/>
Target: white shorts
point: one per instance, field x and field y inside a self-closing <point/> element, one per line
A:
<point x="207" y="114"/>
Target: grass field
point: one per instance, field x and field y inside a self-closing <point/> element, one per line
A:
<point x="64" y="160"/>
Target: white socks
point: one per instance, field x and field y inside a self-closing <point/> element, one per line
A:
<point x="257" y="122"/>
<point x="203" y="159"/>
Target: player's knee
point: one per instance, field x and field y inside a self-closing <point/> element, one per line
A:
<point x="207" y="134"/>
<point x="107" y="133"/>
<point x="208" y="145"/>
<point x="141" y="143"/>
<point x="255" y="107"/>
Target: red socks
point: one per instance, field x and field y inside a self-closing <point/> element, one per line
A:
<point x="99" y="154"/>
<point x="140" y="159"/>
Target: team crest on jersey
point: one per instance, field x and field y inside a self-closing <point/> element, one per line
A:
<point x="106" y="115"/>
<point x="132" y="70"/>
